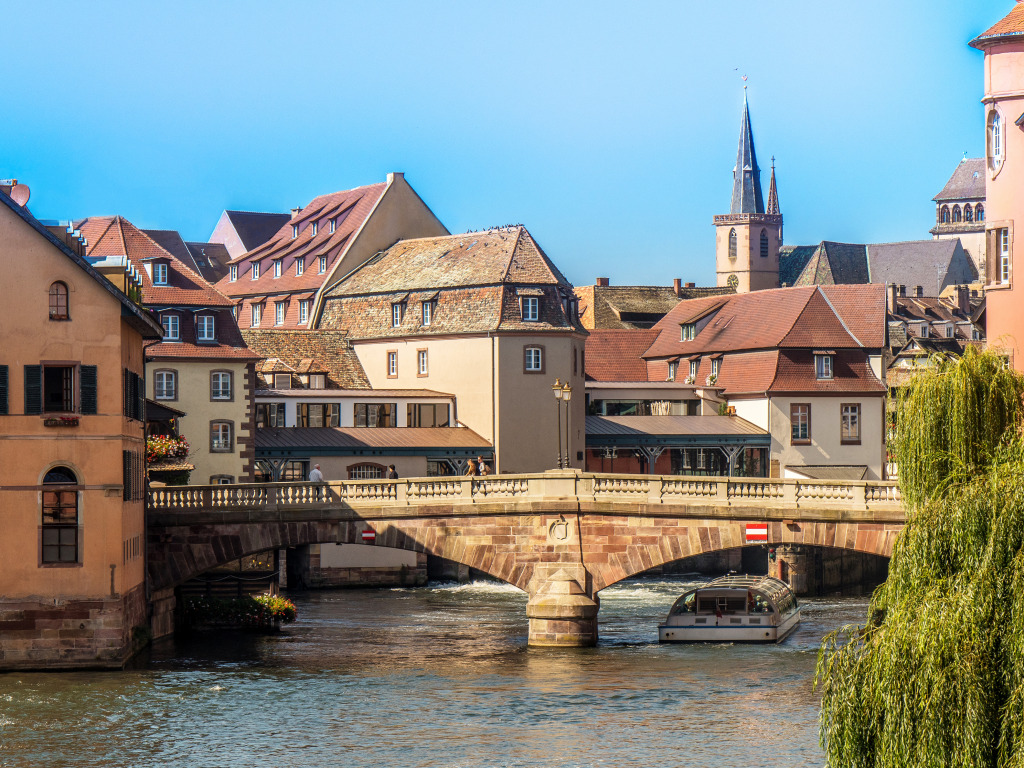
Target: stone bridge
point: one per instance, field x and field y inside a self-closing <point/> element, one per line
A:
<point x="561" y="536"/>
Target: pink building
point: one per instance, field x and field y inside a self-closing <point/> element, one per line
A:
<point x="1003" y="46"/>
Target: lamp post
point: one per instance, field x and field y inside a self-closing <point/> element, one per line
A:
<point x="556" y="388"/>
<point x="566" y="396"/>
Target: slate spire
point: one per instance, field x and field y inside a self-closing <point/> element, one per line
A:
<point x="773" y="195"/>
<point x="746" y="185"/>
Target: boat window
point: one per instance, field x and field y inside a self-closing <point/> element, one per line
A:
<point x="688" y="604"/>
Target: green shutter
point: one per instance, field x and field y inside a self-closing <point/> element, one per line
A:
<point x="33" y="389"/>
<point x="88" y="374"/>
<point x="3" y="390"/>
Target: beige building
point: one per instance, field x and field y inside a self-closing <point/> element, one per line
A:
<point x="72" y="447"/>
<point x="484" y="316"/>
<point x="201" y="365"/>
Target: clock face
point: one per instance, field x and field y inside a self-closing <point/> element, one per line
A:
<point x="733" y="281"/>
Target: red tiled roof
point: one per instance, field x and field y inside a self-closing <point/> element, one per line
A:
<point x="348" y="208"/>
<point x="862" y="310"/>
<point x="615" y="355"/>
<point x="116" y="236"/>
<point x="1010" y="25"/>
<point x="311" y="438"/>
<point x="851" y="372"/>
<point x="741" y="372"/>
<point x="184" y="350"/>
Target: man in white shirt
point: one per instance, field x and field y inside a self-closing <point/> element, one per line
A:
<point x="316" y="476"/>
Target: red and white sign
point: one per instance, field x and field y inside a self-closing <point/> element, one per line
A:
<point x="757" y="532"/>
<point x="369" y="536"/>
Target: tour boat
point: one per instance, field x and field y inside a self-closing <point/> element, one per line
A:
<point x="733" y="609"/>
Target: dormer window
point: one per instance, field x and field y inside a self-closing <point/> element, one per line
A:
<point x="428" y="312"/>
<point x="317" y="381"/>
<point x="170" y="324"/>
<point x="303" y="310"/>
<point x="205" y="329"/>
<point x="531" y="308"/>
<point x="950" y="331"/>
<point x="924" y="331"/>
<point x="323" y="264"/>
<point x="255" y="270"/>
<point x="397" y="313"/>
<point x="300" y="264"/>
<point x="334" y="224"/>
<point x="823" y="366"/>
<point x="160" y="273"/>
<point x="278" y="267"/>
<point x="715" y="365"/>
<point x="694" y="365"/>
<point x="295" y="231"/>
<point x="689" y="331"/>
<point x="282" y="381"/>
<point x="233" y="269"/>
<point x="673" y="367"/>
<point x="313" y="228"/>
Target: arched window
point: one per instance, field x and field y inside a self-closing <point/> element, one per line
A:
<point x="58" y="301"/>
<point x="944" y="215"/>
<point x="995" y="140"/>
<point x="968" y="213"/>
<point x="956" y="214"/>
<point x="764" y="244"/>
<point x="60" y="516"/>
<point x="732" y="243"/>
<point x="979" y="212"/>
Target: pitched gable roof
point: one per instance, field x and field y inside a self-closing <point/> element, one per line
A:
<point x="818" y="325"/>
<point x="966" y="183"/>
<point x="116" y="236"/>
<point x="140" y="319"/>
<point x="211" y="259"/>
<point x="931" y="264"/>
<point x="1009" y="27"/>
<point x="494" y="257"/>
<point x="254" y="228"/>
<point x="616" y="355"/>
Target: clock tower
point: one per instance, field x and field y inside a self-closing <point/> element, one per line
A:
<point x="748" y="238"/>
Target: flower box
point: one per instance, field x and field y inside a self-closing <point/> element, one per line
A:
<point x="61" y="421"/>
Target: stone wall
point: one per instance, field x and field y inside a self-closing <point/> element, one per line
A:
<point x="56" y="634"/>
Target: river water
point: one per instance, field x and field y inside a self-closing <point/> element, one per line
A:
<point x="436" y="677"/>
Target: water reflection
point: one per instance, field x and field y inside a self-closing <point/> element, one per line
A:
<point x="434" y="677"/>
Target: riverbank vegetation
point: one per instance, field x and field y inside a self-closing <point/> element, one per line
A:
<point x="936" y="676"/>
<point x="253" y="612"/>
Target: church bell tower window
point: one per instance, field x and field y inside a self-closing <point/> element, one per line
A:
<point x="764" y="244"/>
<point x="732" y="243"/>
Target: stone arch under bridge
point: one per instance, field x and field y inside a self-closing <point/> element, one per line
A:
<point x="561" y="549"/>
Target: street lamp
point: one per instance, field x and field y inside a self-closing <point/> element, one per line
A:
<point x="566" y="396"/>
<point x="556" y="388"/>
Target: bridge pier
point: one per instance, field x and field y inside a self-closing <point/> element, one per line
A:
<point x="560" y="611"/>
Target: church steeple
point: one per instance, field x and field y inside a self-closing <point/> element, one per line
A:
<point x="746" y="184"/>
<point x="773" y="194"/>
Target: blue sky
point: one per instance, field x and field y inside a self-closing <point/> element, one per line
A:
<point x="608" y="129"/>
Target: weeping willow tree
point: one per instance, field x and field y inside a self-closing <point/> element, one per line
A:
<point x="936" y="675"/>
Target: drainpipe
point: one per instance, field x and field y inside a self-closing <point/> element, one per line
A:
<point x="494" y="404"/>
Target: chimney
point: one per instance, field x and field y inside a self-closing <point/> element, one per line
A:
<point x="891" y="295"/>
<point x="919" y="291"/>
<point x="690" y="285"/>
<point x="296" y="211"/>
<point x="963" y="300"/>
<point x="677" y="287"/>
<point x="602" y="282"/>
<point x="396" y="176"/>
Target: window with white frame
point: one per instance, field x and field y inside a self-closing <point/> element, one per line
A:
<point x="1003" y="238"/>
<point x="257" y="315"/>
<point x="300" y="265"/>
<point x="823" y="366"/>
<point x="800" y="422"/>
<point x="220" y="385"/>
<point x="313" y="228"/>
<point x="715" y="365"/>
<point x="322" y="264"/>
<point x="233" y="270"/>
<point x="334" y="224"/>
<point x="278" y="267"/>
<point x="282" y="381"/>
<point x="303" y="310"/>
<point x="689" y="331"/>
<point x="995" y="140"/>
<point x="170" y="324"/>
<point x="159" y="273"/>
<point x="392" y="364"/>
<point x="205" y="328"/>
<point x="849" y="427"/>
<point x="220" y="436"/>
<point x="295" y="231"/>
<point x="317" y="381"/>
<point x="950" y="331"/>
<point x="255" y="270"/>
<point x="428" y="311"/>
<point x="673" y="367"/>
<point x="279" y="308"/>
<point x="421" y="362"/>
<point x="165" y="385"/>
<point x="533" y="360"/>
<point x="531" y="308"/>
<point x="694" y="365"/>
<point x="397" y="313"/>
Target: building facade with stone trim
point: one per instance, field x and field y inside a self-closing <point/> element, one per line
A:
<point x="72" y="445"/>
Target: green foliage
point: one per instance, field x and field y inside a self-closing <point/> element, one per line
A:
<point x="251" y="612"/>
<point x="936" y="676"/>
